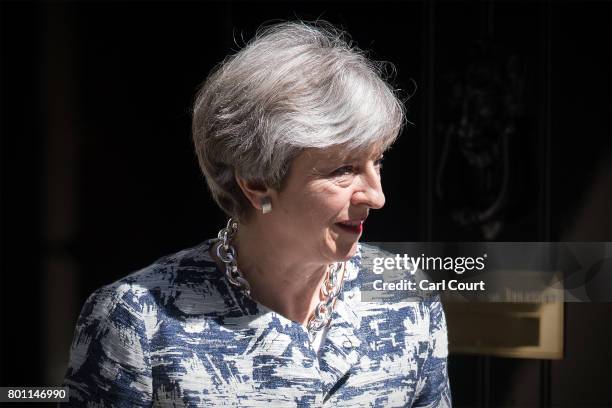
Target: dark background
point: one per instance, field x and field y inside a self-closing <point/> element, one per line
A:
<point x="98" y="176"/>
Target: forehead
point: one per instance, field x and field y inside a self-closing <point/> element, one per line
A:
<point x="339" y="153"/>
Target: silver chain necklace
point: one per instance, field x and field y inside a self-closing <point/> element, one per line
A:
<point x="330" y="288"/>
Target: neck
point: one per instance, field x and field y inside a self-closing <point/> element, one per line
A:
<point x="280" y="277"/>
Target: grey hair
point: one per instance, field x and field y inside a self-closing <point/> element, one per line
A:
<point x="294" y="86"/>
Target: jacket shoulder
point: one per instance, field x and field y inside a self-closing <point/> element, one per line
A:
<point x="182" y="284"/>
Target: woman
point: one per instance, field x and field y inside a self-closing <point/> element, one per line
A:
<point x="289" y="134"/>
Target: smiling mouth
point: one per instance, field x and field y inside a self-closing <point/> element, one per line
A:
<point x="353" y="227"/>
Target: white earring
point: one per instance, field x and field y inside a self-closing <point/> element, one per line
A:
<point x="266" y="205"/>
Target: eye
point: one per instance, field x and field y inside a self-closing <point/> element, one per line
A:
<point x="379" y="163"/>
<point x="342" y="171"/>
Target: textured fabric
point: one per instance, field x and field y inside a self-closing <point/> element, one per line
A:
<point x="316" y="339"/>
<point x="178" y="334"/>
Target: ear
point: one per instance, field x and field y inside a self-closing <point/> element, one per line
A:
<point x="254" y="191"/>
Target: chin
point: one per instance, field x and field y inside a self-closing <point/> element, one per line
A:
<point x="346" y="252"/>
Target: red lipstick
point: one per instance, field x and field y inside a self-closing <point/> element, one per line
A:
<point x="353" y="227"/>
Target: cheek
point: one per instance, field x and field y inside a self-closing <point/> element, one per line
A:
<point x="314" y="206"/>
<point x="328" y="204"/>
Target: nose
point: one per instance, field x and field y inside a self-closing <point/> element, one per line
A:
<point x="369" y="191"/>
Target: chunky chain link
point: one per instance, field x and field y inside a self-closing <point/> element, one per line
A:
<point x="227" y="254"/>
<point x="329" y="290"/>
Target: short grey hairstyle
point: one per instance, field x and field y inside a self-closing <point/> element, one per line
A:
<point x="294" y="86"/>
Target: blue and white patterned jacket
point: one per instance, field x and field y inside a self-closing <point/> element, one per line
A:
<point x="178" y="334"/>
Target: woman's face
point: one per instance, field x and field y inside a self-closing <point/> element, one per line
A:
<point x="324" y="202"/>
